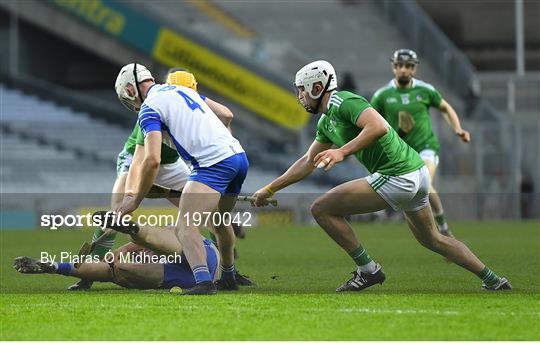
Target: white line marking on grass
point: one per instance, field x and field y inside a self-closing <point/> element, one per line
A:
<point x="232" y="308"/>
<point x="398" y="311"/>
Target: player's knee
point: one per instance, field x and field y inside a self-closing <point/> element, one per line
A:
<point x="224" y="232"/>
<point x="317" y="208"/>
<point x="432" y="241"/>
<point x="181" y="233"/>
<point x="188" y="237"/>
<point x="117" y="274"/>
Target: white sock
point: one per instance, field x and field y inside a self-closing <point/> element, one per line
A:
<point x="443" y="227"/>
<point x="368" y="268"/>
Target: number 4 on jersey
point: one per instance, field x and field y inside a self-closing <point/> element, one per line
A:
<point x="193" y="105"/>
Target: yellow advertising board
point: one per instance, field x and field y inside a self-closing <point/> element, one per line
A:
<point x="230" y="79"/>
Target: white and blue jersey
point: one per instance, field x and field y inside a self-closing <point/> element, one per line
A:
<point x="189" y="126"/>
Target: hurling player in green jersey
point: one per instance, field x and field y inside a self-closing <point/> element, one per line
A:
<point x="404" y="102"/>
<point x="398" y="178"/>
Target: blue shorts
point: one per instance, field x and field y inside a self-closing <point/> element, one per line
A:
<point x="226" y="176"/>
<point x="180" y="274"/>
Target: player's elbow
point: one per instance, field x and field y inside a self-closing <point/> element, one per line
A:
<point x="152" y="162"/>
<point x="380" y="129"/>
<point x="445" y="107"/>
<point x="227" y="117"/>
<point x="307" y="163"/>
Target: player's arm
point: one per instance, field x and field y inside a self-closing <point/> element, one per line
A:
<point x="150" y="126"/>
<point x="149" y="167"/>
<point x="373" y="127"/>
<point x="452" y="119"/>
<point x="132" y="181"/>
<point x="222" y="112"/>
<point x="296" y="172"/>
<point x="150" y="164"/>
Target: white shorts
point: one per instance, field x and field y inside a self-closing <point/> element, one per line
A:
<point x="430" y="155"/>
<point x="173" y="176"/>
<point x="407" y="192"/>
<point x="123" y="162"/>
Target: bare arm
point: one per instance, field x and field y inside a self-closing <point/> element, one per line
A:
<point x="373" y="127"/>
<point x="452" y="119"/>
<point x="222" y="112"/>
<point x="149" y="168"/>
<point x="150" y="163"/>
<point x="134" y="172"/>
<point x="298" y="171"/>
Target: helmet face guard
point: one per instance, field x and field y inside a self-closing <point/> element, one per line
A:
<point x="307" y="76"/>
<point x="125" y="78"/>
<point x="318" y="97"/>
<point x="129" y="104"/>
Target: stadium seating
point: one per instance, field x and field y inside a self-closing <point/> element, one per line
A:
<point x="281" y="34"/>
<point x="47" y="148"/>
<point x="516" y="95"/>
<point x="59" y="125"/>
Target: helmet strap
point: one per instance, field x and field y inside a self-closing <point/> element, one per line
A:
<point x="319" y="100"/>
<point x="137" y="81"/>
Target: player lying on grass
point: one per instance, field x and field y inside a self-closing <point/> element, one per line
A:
<point x="179" y="117"/>
<point x="404" y="102"/>
<point x="145" y="243"/>
<point x="173" y="173"/>
<point x="399" y="178"/>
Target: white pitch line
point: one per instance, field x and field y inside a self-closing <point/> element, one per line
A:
<point x="399" y="311"/>
<point x="193" y="307"/>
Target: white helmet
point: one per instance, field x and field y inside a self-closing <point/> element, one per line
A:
<point x="314" y="72"/>
<point x="127" y="75"/>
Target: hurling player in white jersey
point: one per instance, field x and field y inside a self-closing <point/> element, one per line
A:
<point x="178" y="117"/>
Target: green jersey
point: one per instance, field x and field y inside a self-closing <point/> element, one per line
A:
<point x="129" y="146"/>
<point x="389" y="155"/>
<point x="168" y="154"/>
<point x="407" y="111"/>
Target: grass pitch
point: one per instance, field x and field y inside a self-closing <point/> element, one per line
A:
<point x="297" y="270"/>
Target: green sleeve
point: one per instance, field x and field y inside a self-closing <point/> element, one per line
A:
<point x="140" y="137"/>
<point x="376" y="102"/>
<point x="133" y="134"/>
<point x="321" y="137"/>
<point x="435" y="98"/>
<point x="351" y="109"/>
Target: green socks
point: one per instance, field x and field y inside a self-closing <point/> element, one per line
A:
<point x="363" y="260"/>
<point x="441" y="222"/>
<point x="488" y="277"/>
<point x="105" y="245"/>
<point x="439" y="218"/>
